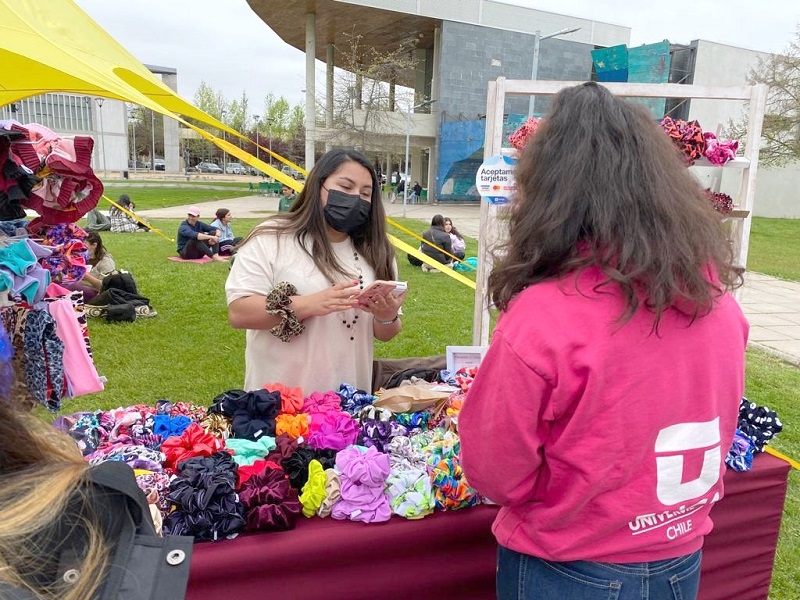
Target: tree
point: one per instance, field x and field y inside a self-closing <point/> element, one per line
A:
<point x="781" y="130"/>
<point x="365" y="94"/>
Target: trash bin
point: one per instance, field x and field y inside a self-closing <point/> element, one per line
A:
<point x="125" y="175"/>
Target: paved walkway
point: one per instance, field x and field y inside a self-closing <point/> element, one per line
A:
<point x="771" y="305"/>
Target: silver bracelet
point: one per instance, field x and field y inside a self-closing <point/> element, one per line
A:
<point x="397" y="316"/>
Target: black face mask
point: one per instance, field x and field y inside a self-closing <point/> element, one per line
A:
<point x="346" y="212"/>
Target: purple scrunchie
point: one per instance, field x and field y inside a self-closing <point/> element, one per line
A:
<point x="335" y="430"/>
<point x="320" y="403"/>
<point x="363" y="479"/>
<point x="270" y="501"/>
<point x="740" y="455"/>
<point x="379" y="434"/>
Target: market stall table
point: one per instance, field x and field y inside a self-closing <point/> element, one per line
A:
<point x="452" y="554"/>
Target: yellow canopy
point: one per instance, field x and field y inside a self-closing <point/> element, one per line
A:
<point x="55" y="46"/>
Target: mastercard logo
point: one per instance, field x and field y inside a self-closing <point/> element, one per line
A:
<point x="496" y="187"/>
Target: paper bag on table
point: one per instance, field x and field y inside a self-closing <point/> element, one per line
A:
<point x="410" y="398"/>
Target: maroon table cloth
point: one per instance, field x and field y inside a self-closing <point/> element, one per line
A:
<point x="452" y="554"/>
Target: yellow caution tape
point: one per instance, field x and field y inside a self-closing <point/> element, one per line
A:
<point x="401" y="245"/>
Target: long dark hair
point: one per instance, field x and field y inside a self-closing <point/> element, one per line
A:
<point x="221" y="213"/>
<point x="306" y="221"/>
<point x="453" y="229"/>
<point x="599" y="184"/>
<point x="100" y="251"/>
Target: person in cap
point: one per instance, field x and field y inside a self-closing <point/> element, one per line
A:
<point x="197" y="239"/>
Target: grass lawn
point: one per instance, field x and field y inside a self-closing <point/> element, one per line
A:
<point x="190" y="353"/>
<point x="775" y="248"/>
<point x="158" y="196"/>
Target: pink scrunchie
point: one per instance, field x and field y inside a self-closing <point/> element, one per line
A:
<point x="320" y="403"/>
<point x="334" y="430"/>
<point x="363" y="479"/>
<point x="717" y="151"/>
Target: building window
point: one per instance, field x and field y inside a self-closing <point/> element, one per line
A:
<point x="59" y="112"/>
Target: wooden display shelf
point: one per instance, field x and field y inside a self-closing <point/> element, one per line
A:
<point x="740" y="162"/>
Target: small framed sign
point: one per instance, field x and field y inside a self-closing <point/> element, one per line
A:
<point x="464" y="356"/>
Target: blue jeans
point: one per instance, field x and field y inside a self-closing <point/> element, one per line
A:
<point x="523" y="577"/>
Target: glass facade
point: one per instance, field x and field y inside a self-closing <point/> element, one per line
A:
<point x="60" y="112"/>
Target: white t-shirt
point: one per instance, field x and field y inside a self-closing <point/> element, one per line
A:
<point x="323" y="356"/>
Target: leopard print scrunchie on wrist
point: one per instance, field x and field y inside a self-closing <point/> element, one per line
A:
<point x="278" y="303"/>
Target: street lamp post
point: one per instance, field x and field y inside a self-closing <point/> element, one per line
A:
<point x="153" y="155"/>
<point x="269" y="132"/>
<point x="102" y="133"/>
<point x="408" y="143"/>
<point x="257" y="117"/>
<point x="135" y="155"/>
<point x="537" y="38"/>
<point x="224" y="152"/>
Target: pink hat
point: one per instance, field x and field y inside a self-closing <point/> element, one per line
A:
<point x="194" y="211"/>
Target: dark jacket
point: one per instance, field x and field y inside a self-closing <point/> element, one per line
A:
<point x="439" y="238"/>
<point x="186" y="232"/>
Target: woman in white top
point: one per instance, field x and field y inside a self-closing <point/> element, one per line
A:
<point x="101" y="263"/>
<point x="295" y="279"/>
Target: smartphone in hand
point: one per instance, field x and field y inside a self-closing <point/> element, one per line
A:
<point x="382" y="289"/>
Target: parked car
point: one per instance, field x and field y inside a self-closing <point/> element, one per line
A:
<point x="136" y="164"/>
<point x="161" y="164"/>
<point x="291" y="172"/>
<point x="209" y="167"/>
<point x="235" y="168"/>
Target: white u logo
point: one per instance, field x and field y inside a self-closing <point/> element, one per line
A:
<point x="676" y="441"/>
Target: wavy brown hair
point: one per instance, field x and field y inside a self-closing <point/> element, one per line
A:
<point x="600" y="184"/>
<point x="43" y="495"/>
<point x="306" y="221"/>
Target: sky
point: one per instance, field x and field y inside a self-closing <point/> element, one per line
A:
<point x="226" y="45"/>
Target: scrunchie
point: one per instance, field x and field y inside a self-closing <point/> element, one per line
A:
<point x="354" y="400"/>
<point x="217" y="425"/>
<point x="758" y="423"/>
<point x="245" y="472"/>
<point x="208" y="507"/>
<point x="291" y="398"/>
<point x="375" y="413"/>
<point x="279" y="303"/>
<point x="740" y="456"/>
<point x="318" y="402"/>
<point x="721" y="202"/>
<point x="335" y="430"/>
<point x="410" y="493"/>
<point x="333" y="493"/>
<point x="192" y="442"/>
<point x="451" y="490"/>
<point x="522" y="136"/>
<point x="363" y="478"/>
<point x="167" y="426"/>
<point x="253" y="413"/>
<point x="270" y="502"/>
<point x="246" y="452"/>
<point x="293" y="425"/>
<point x="379" y="434"/>
<point x="313" y="492"/>
<point x="465" y="376"/>
<point x="718" y="152"/>
<point x="404" y="456"/>
<point x="134" y="455"/>
<point x="415" y="420"/>
<point x="296" y="465"/>
<point x="158" y="483"/>
<point x="687" y="137"/>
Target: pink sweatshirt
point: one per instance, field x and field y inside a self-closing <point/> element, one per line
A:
<point x="603" y="442"/>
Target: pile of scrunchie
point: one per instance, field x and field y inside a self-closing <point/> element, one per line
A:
<point x="721" y="202"/>
<point x="68" y="188"/>
<point x="259" y="461"/>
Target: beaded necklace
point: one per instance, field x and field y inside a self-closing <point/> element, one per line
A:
<point x="351" y="323"/>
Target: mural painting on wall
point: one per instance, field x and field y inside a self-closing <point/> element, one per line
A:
<point x="461" y="154"/>
<point x="643" y="64"/>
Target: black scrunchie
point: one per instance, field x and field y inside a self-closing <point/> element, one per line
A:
<point x="253" y="413"/>
<point x="296" y="465"/>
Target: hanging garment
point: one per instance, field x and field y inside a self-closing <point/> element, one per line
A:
<point x="79" y="368"/>
<point x="44" y="356"/>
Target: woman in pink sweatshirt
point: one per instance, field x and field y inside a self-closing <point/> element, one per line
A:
<point x="608" y="399"/>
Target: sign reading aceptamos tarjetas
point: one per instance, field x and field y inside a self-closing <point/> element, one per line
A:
<point x="495" y="179"/>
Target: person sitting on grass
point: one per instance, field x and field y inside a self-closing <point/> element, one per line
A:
<point x="121" y="221"/>
<point x="227" y="241"/>
<point x="456" y="241"/>
<point x="287" y="199"/>
<point x="439" y="247"/>
<point x="197" y="239"/>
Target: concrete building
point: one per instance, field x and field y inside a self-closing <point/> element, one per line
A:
<point x="458" y="46"/>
